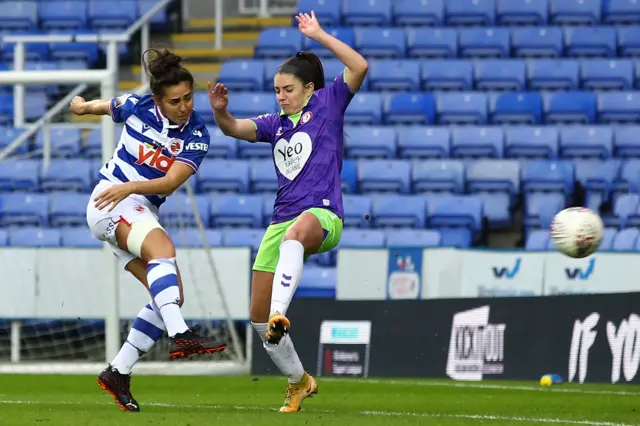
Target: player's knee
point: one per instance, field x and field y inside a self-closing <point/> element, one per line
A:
<point x="148" y="240"/>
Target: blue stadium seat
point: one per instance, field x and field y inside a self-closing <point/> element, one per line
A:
<point x="540" y="208"/>
<point x="35" y="105"/>
<point x="394" y="75"/>
<point x="242" y="75"/>
<point x="357" y="211"/>
<point x="621" y="12"/>
<point x="414" y="13"/>
<point x="6" y="109"/>
<point x="370" y="142"/>
<point x="477" y="142"/>
<point x="608" y="236"/>
<point x="484" y="43"/>
<point x="220" y="145"/>
<point x="399" y="211"/>
<point x="531" y="142"/>
<point x="344" y="34"/>
<point x="569" y="108"/>
<point x="328" y="12"/>
<point x="625" y="240"/>
<point x="63" y="14"/>
<point x="537" y="42"/>
<point x="9" y="134"/>
<point x="86" y="52"/>
<point x="627" y="180"/>
<point x="619" y="107"/>
<point x="516" y="108"/>
<point x="360" y="238"/>
<point x="537" y="240"/>
<point x="243" y="237"/>
<point x="384" y="176"/>
<point x="586" y="142"/>
<point x="365" y="108"/>
<point x="349" y="176"/>
<point x="590" y="42"/>
<point x="268" y="201"/>
<point x="424" y="142"/>
<point x="235" y="210"/>
<point x="554" y="74"/>
<point x="626" y="211"/>
<point x="92" y="147"/>
<point x="160" y="20"/>
<point x="462" y="108"/>
<point x="447" y="75"/>
<point x="598" y="179"/>
<point x="500" y="74"/>
<point x="421" y="238"/>
<point x="603" y="74"/>
<point x="23" y="209"/>
<point x="457" y="218"/>
<point x="223" y="176"/>
<point x="521" y="12"/>
<point x="629" y="41"/>
<point x="575" y="12"/>
<point x="278" y="43"/>
<point x="67" y="175"/>
<point x="317" y="282"/>
<point x="119" y="15"/>
<point x="626" y="142"/>
<point x="4" y="238"/>
<point x="409" y="109"/>
<point x="19" y="175"/>
<point x="380" y="42"/>
<point x="259" y="150"/>
<point x="79" y="238"/>
<point x="65" y="142"/>
<point x="373" y="12"/>
<point x="247" y="105"/>
<point x="68" y="209"/>
<point x="469" y="12"/>
<point x="548" y="176"/>
<point x="192" y="237"/>
<point x="436" y="176"/>
<point x="497" y="182"/>
<point x="177" y="211"/>
<point x="263" y="177"/>
<point x="432" y="43"/>
<point x="19" y="15"/>
<point x="35" y="237"/>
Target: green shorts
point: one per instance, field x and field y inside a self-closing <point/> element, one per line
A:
<point x="269" y="250"/>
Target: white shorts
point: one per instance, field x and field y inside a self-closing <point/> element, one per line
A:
<point x="102" y="223"/>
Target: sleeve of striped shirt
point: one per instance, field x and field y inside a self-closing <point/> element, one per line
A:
<point x="123" y="106"/>
<point x="195" y="149"/>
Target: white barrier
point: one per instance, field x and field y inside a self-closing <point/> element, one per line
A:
<point x="379" y="274"/>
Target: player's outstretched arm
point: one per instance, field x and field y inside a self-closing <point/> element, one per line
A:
<point x="357" y="66"/>
<point x="236" y="128"/>
<point x="97" y="107"/>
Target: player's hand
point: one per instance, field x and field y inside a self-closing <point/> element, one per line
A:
<point x="113" y="195"/>
<point x="309" y="25"/>
<point x="77" y="105"/>
<point x="218" y="96"/>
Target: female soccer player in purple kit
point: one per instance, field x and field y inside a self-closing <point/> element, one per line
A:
<point x="307" y="140"/>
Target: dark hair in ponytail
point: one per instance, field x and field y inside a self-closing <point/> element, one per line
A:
<point x="164" y="70"/>
<point x="306" y="66"/>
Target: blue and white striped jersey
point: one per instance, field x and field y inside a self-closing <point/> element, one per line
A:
<point x="149" y="144"/>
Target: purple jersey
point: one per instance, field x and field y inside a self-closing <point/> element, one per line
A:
<point x="307" y="152"/>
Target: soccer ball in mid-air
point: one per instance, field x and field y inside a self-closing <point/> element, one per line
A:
<point x="577" y="231"/>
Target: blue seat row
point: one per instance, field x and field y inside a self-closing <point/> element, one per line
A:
<point x="456" y="74"/>
<point x="470" y="12"/>
<point x="446" y="108"/>
<point x="613" y="240"/>
<point x="495" y="42"/>
<point x="75" y="14"/>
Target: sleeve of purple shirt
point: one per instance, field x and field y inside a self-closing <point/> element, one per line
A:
<point x="337" y="94"/>
<point x="265" y="127"/>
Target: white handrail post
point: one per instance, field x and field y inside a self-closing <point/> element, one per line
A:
<point x="264" y="8"/>
<point x="185" y="13"/>
<point x="144" y="45"/>
<point x="18" y="89"/>
<point x="112" y="320"/>
<point x="219" y="16"/>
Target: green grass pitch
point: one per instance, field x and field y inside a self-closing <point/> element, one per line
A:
<point x="192" y="401"/>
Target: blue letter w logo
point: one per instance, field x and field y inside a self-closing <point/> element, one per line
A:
<point x="573" y="274"/>
<point x="504" y="272"/>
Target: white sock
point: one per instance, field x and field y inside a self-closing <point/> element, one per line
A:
<point x="284" y="355"/>
<point x="162" y="277"/>
<point x="145" y="332"/>
<point x="287" y="275"/>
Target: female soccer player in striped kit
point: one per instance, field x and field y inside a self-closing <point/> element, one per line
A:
<point x="162" y="144"/>
<point x="307" y="140"/>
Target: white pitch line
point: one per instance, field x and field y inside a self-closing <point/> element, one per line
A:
<point x="480" y="417"/>
<point x="483" y="386"/>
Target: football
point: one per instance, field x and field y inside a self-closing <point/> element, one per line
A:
<point x="577" y="231"/>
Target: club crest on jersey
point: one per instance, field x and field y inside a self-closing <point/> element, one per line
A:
<point x="139" y="208"/>
<point x="153" y="157"/>
<point x="176" y="146"/>
<point x="306" y="117"/>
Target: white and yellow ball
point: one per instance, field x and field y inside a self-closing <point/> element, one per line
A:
<point x="577" y="231"/>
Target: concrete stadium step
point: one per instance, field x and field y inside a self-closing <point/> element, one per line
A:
<point x="207" y="40"/>
<point x="240" y="23"/>
<point x="202" y="73"/>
